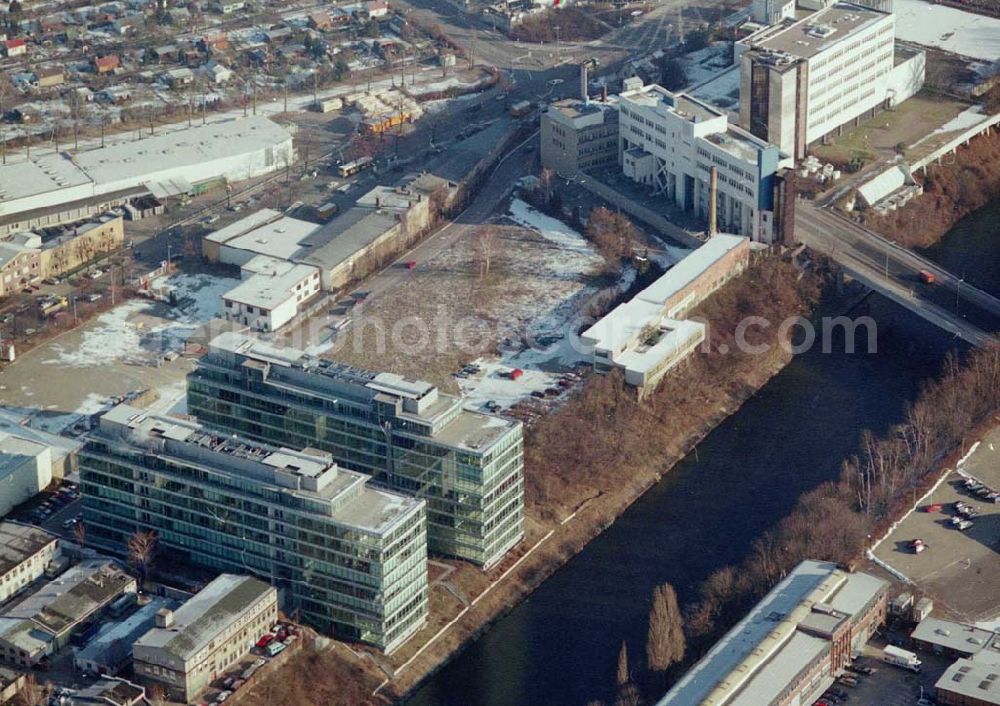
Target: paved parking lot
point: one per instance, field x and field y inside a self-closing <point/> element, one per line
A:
<point x="959" y="570"/>
<point x="892" y="686"/>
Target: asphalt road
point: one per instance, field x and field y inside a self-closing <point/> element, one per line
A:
<point x="949" y="302"/>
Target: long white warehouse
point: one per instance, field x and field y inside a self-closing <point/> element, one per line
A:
<point x="167" y="163"/>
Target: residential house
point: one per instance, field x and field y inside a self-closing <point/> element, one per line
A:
<point x="105" y="64"/>
<point x="15" y="47"/>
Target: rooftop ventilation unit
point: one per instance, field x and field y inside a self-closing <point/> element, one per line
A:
<point x="820" y="31"/>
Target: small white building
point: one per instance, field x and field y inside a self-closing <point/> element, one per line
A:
<point x="647" y="336"/>
<point x="192" y="646"/>
<point x="25" y="553"/>
<point x="271" y="294"/>
<point x="25" y="470"/>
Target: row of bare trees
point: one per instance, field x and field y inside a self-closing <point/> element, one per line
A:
<point x="889" y="471"/>
<point x="833" y="521"/>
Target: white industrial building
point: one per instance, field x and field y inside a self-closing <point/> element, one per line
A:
<point x="168" y="163"/>
<point x="264" y="232"/>
<point x="647" y="336"/>
<point x="25" y="470"/>
<point x="271" y="293"/>
<point x="802" y="79"/>
<point x="671" y="142"/>
<point x="792" y="644"/>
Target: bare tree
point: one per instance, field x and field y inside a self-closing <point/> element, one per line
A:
<point x="628" y="695"/>
<point x="35" y="693"/>
<point x="622" y="677"/>
<point x="80" y="534"/>
<point x="485" y="246"/>
<point x="141" y="550"/>
<point x="156" y="695"/>
<point x="665" y="637"/>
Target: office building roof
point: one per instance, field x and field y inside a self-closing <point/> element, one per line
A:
<point x="206" y="614"/>
<point x="417" y="399"/>
<point x="951" y="635"/>
<point x="272" y="283"/>
<point x="15" y="451"/>
<point x="310" y="474"/>
<point x="354" y="230"/>
<point x="759" y="657"/>
<point x="17" y="423"/>
<point x="18" y="543"/>
<point x="622" y="324"/>
<point x="680" y="104"/>
<point x="817" y="32"/>
<point x="576" y="114"/>
<point x="62" y="603"/>
<point x="672" y="335"/>
<point x="973" y="680"/>
<point x="110" y="692"/>
<point x="266" y="232"/>
<point x="774" y="676"/>
<point x="739" y="143"/>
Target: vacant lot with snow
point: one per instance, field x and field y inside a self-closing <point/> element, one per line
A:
<point x="455" y="310"/>
<point x="84" y="370"/>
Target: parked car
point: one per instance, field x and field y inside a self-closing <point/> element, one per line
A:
<point x="264" y="641"/>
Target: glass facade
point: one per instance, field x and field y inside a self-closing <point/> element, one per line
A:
<point x="349" y="581"/>
<point x="474" y="493"/>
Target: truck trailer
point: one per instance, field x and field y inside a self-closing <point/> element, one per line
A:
<point x="901" y="658"/>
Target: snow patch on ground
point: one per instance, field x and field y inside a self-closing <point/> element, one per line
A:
<point x="554" y="347"/>
<point x="705" y="63"/>
<point x="117" y="335"/>
<point x="552" y="229"/>
<point x="969" y="117"/>
<point x="948" y="28"/>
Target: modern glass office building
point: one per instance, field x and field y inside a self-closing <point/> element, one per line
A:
<point x="405" y="433"/>
<point x="351" y="559"/>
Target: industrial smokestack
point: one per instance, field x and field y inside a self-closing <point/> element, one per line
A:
<point x="584" y="93"/>
<point x="604" y="93"/>
<point x="713" y="194"/>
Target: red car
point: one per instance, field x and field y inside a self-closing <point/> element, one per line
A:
<point x="934" y="507"/>
<point x="265" y="641"/>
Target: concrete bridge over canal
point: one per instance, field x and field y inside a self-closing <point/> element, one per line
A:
<point x="892" y="270"/>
